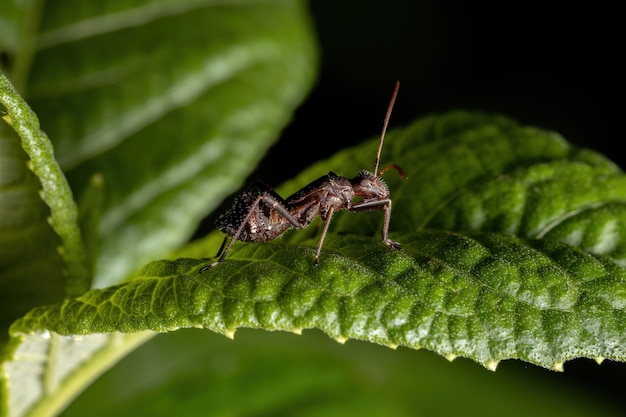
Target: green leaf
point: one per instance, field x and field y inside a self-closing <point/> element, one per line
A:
<point x="173" y="103"/>
<point x="25" y="221"/>
<point x="283" y="374"/>
<point x="484" y="296"/>
<point x="48" y="370"/>
<point x="490" y="286"/>
<point x="25" y="235"/>
<point x="167" y="106"/>
<point x="55" y="190"/>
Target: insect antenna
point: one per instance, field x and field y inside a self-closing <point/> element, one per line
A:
<point x="390" y="166"/>
<point x="386" y="122"/>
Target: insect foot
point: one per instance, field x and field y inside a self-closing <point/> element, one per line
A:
<point x="259" y="215"/>
<point x="393" y="245"/>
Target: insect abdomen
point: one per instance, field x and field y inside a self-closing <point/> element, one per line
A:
<point x="263" y="224"/>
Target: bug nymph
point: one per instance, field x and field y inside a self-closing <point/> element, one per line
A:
<point x="259" y="215"/>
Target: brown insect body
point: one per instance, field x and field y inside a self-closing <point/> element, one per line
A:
<point x="263" y="224"/>
<point x="330" y="192"/>
<point x="260" y="214"/>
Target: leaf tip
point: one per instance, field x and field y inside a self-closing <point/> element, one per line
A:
<point x="230" y="334"/>
<point x="558" y="366"/>
<point x="450" y="356"/>
<point x="340" y="339"/>
<point x="599" y="360"/>
<point x="492" y="365"/>
<point x="296" y="331"/>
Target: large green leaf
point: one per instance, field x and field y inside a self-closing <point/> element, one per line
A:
<point x="484" y="296"/>
<point x="156" y="111"/>
<point x="506" y="278"/>
<point x="279" y="374"/>
<point x="171" y="102"/>
<point x="27" y="223"/>
<point x="24" y="235"/>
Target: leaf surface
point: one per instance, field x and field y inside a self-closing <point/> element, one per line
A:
<point x="173" y="103"/>
<point x="283" y="374"/>
<point x="479" y="276"/>
<point x="484" y="296"/>
<point x="157" y="110"/>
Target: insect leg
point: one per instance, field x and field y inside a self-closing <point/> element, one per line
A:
<point x="233" y="238"/>
<point x="329" y="215"/>
<point x="270" y="201"/>
<point x="383" y="204"/>
<point x="221" y="249"/>
<point x="283" y="211"/>
<point x="219" y="252"/>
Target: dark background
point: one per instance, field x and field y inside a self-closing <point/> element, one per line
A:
<point x="558" y="67"/>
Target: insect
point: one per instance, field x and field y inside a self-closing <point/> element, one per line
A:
<point x="260" y="214"/>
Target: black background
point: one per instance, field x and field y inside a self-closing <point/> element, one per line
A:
<point x="552" y="66"/>
<point x="558" y="67"/>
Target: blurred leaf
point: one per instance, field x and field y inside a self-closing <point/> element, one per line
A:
<point x="46" y="370"/>
<point x="25" y="221"/>
<point x="169" y="105"/>
<point x="172" y="102"/>
<point x="281" y="374"/>
<point x="25" y="235"/>
<point x="54" y="189"/>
